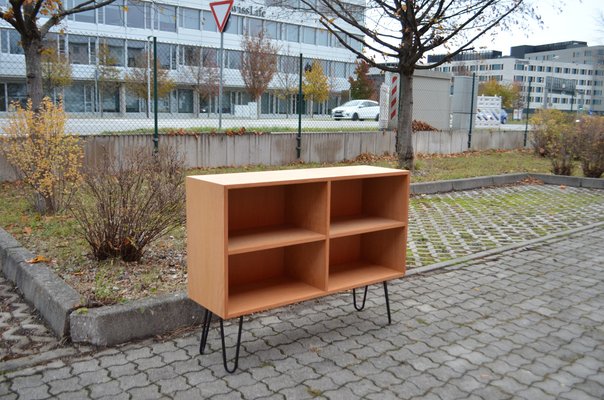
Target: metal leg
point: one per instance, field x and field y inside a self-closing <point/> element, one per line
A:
<point x="354" y="299"/>
<point x="387" y="302"/>
<point x="207" y="319"/>
<point x="238" y="345"/>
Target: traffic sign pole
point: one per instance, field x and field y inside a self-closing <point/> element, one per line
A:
<point x="221" y="11"/>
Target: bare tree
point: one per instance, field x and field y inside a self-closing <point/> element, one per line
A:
<point x="56" y="71"/>
<point x="108" y="75"/>
<point x="258" y="64"/>
<point x="204" y="73"/>
<point x="405" y="30"/>
<point x="288" y="78"/>
<point x="137" y="79"/>
<point x="33" y="20"/>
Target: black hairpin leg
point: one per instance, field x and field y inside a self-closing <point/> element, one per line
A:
<point x="237" y="346"/>
<point x="207" y="319"/>
<point x="387" y="302"/>
<point x="354" y="299"/>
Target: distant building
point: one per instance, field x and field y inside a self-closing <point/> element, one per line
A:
<point x="566" y="76"/>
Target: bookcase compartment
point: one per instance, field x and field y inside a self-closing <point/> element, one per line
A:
<point x="271" y="216"/>
<point x="273" y="277"/>
<point x="366" y="205"/>
<point x="360" y="260"/>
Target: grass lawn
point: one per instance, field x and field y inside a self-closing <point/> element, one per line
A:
<point x="163" y="267"/>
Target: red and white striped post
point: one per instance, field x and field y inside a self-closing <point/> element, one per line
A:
<point x="393" y="114"/>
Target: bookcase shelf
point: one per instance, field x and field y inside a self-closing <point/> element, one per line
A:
<point x="260" y="240"/>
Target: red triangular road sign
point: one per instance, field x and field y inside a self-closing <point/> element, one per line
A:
<point x="221" y="11"/>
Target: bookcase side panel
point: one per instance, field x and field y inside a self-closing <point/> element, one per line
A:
<point x="206" y="244"/>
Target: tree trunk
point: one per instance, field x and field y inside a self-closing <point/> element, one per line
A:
<point x="258" y="106"/>
<point x="404" y="143"/>
<point x="33" y="70"/>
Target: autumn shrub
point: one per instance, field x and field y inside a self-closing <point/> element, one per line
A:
<point x="47" y="159"/>
<point x="554" y="136"/>
<point x="590" y="146"/>
<point x="126" y="203"/>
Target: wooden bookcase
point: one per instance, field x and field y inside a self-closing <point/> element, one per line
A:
<point x="261" y="240"/>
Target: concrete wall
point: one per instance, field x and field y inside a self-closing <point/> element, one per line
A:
<point x="280" y="148"/>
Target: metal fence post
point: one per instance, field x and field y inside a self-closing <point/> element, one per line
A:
<point x="155" y="98"/>
<point x="299" y="133"/>
<point x="528" y="103"/>
<point x="471" y="111"/>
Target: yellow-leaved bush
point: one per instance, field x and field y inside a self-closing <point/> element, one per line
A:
<point x="48" y="159"/>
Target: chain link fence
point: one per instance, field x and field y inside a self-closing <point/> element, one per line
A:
<point x="107" y="85"/>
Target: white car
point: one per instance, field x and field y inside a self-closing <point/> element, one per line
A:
<point x="357" y="110"/>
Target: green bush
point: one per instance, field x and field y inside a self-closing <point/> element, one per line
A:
<point x="554" y="137"/>
<point x="590" y="146"/>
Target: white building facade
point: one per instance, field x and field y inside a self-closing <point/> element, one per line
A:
<point x="557" y="79"/>
<point x="182" y="28"/>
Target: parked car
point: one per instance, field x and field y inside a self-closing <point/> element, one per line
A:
<point x="357" y="110"/>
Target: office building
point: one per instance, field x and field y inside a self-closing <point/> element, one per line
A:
<point x="186" y="33"/>
<point x="567" y="76"/>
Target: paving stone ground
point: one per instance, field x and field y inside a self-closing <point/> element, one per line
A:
<point x="450" y="225"/>
<point x="526" y="324"/>
<point x="22" y="331"/>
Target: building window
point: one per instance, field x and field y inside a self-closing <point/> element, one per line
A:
<point x="79" y="97"/>
<point x="133" y="104"/>
<point x="14" y="42"/>
<point x="308" y="35"/>
<point x="254" y="26"/>
<point x="116" y="50"/>
<point x="292" y="33"/>
<point x="233" y="60"/>
<point x="136" y="50"/>
<point x="79" y="50"/>
<point x="189" y="18"/>
<point x="209" y="24"/>
<point x="209" y="57"/>
<point x="164" y="55"/>
<point x="86" y="16"/>
<point x="272" y="30"/>
<point x="16" y="92"/>
<point x="322" y="37"/>
<point x="2" y="97"/>
<point x="190" y="56"/>
<point x="112" y="14"/>
<point x="137" y="15"/>
<point x="111" y="100"/>
<point x="185" y="101"/>
<point x="165" y="18"/>
<point x="234" y="25"/>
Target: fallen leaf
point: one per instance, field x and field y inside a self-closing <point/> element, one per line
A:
<point x="39" y="259"/>
<point x="562" y="187"/>
<point x="27" y="230"/>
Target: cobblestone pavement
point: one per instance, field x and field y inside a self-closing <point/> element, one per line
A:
<point x="526" y="324"/>
<point x="21" y="330"/>
<point x="450" y="225"/>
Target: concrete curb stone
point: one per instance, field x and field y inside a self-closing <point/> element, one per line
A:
<point x="48" y="293"/>
<point x="58" y="303"/>
<point x="577" y="181"/>
<point x="109" y="325"/>
<point x="465" y="184"/>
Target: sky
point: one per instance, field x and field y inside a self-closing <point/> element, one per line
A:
<point x="578" y="21"/>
